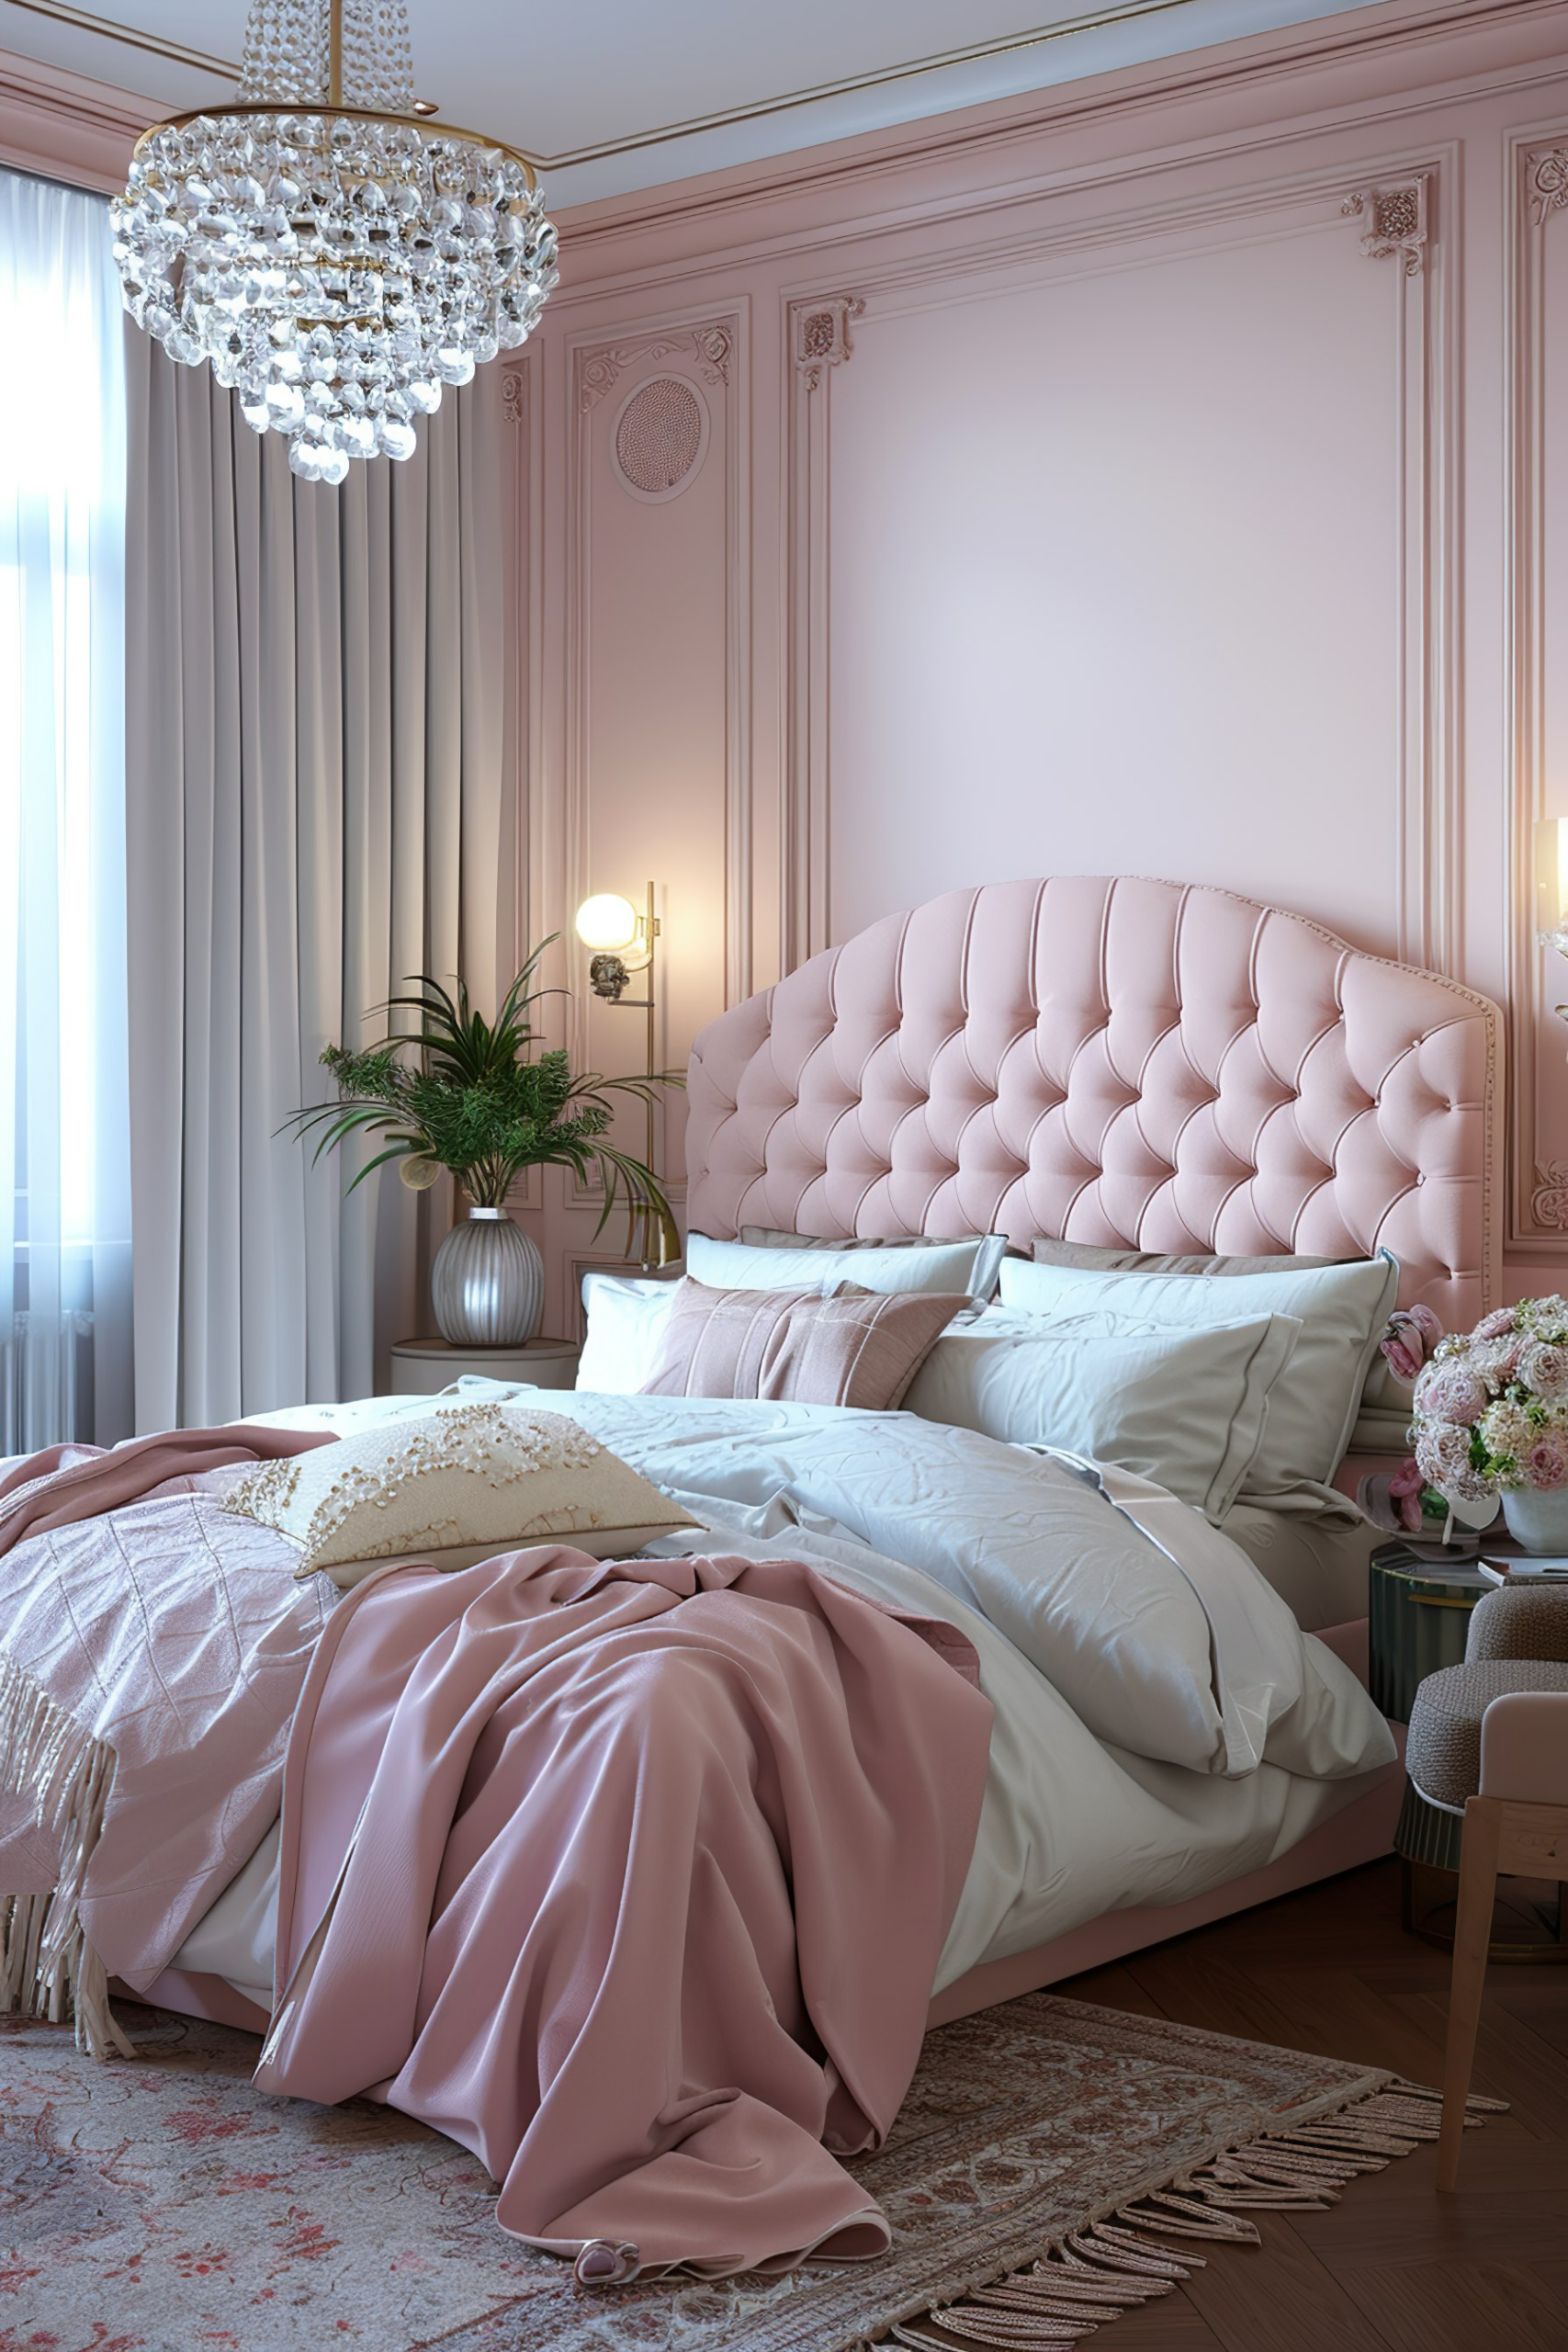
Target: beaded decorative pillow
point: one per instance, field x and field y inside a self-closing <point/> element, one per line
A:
<point x="454" y="1486"/>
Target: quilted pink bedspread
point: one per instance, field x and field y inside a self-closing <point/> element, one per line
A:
<point x="633" y="1879"/>
<point x="142" y="1624"/>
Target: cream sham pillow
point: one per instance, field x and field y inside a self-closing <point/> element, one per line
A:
<point x="455" y="1487"/>
<point x="1342" y="1310"/>
<point x="989" y="1248"/>
<point x="1186" y="1408"/>
<point x="964" y="1267"/>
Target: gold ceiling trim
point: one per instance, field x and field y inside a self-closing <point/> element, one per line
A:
<point x="972" y="53"/>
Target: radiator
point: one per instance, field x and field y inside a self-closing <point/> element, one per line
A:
<point x="46" y="1379"/>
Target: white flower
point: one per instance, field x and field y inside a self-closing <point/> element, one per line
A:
<point x="1506" y="1428"/>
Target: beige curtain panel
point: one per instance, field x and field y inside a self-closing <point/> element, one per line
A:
<point x="316" y="775"/>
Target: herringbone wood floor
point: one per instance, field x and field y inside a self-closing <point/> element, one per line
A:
<point x="1393" y="2268"/>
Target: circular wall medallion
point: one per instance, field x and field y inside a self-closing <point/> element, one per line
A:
<point x="660" y="437"/>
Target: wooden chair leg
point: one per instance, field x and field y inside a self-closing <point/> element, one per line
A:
<point x="1473" y="1933"/>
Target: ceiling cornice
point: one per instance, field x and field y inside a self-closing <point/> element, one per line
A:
<point x="910" y="68"/>
<point x="109" y="29"/>
<point x="864" y="159"/>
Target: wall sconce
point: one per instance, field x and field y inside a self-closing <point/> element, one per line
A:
<point x="609" y="923"/>
<point x="622" y="942"/>
<point x="1552" y="888"/>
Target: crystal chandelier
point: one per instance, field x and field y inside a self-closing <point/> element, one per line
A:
<point x="337" y="256"/>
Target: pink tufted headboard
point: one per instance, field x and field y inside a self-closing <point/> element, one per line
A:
<point x="1112" y="1061"/>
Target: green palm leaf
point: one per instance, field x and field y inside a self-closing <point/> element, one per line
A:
<point x="470" y="1094"/>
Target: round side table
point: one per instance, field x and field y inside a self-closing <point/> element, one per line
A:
<point x="1419" y="1609"/>
<point x="423" y="1367"/>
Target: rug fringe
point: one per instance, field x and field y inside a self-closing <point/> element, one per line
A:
<point x="47" y="1969"/>
<point x="1113" y="2265"/>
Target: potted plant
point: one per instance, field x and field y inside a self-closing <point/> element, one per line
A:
<point x="1491" y="1419"/>
<point x="467" y="1095"/>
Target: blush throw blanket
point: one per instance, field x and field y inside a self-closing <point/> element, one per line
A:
<point x="632" y="1879"/>
<point x="153" y="1648"/>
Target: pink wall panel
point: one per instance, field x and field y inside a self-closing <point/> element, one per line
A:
<point x="1077" y="599"/>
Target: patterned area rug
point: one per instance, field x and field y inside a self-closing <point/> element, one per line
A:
<point x="164" y="2206"/>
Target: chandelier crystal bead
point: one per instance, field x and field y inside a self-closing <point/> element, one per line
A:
<point x="336" y="260"/>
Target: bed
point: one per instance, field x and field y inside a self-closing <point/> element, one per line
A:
<point x="1120" y="1062"/>
<point x="1101" y="1063"/>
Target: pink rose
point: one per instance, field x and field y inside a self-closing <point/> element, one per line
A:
<point x="1449" y="1392"/>
<point x="1443" y="1452"/>
<point x="1492" y="1326"/>
<point x="1544" y="1368"/>
<point x="1413" y="1332"/>
<point x="1405" y="1488"/>
<point x="1497" y="1361"/>
<point x="1546" y="1464"/>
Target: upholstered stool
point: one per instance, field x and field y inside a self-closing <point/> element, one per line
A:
<point x="1490" y="1739"/>
<point x="1442" y="1753"/>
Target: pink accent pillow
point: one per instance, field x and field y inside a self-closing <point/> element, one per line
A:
<point x="855" y="1348"/>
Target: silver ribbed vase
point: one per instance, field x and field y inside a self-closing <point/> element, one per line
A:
<point x="488" y="1283"/>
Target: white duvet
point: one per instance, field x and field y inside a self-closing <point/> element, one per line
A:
<point x="1162" y="1723"/>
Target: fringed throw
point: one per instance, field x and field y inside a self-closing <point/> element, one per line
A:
<point x="47" y="1969"/>
<point x="1123" y="2258"/>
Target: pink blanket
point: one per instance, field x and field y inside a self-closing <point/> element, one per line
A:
<point x="633" y="1879"/>
<point x="65" y="1484"/>
<point x="152" y="1651"/>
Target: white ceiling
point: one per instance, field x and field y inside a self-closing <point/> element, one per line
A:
<point x="594" y="88"/>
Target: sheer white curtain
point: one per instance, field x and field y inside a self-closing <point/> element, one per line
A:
<point x="64" y="1153"/>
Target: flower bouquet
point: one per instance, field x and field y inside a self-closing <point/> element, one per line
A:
<point x="1490" y="1418"/>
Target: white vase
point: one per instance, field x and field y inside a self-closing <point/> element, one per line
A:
<point x="1538" y="1522"/>
<point x="487" y="1284"/>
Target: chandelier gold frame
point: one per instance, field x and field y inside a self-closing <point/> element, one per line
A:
<point x="300" y="110"/>
<point x="334" y="110"/>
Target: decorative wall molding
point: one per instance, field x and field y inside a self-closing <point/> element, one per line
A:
<point x="522" y="458"/>
<point x="1538" y="188"/>
<point x="1548" y="1202"/>
<point x="1396" y="222"/>
<point x="1549" y="182"/>
<point x="1428" y="879"/>
<point x="821" y="335"/>
<point x="711" y="344"/>
<point x="817" y="338"/>
<point x="66" y="127"/>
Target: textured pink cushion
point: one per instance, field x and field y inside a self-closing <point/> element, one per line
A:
<point x="1119" y="1063"/>
<point x="856" y="1347"/>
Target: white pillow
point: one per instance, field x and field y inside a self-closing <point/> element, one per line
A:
<point x="1342" y="1310"/>
<point x="625" y="1319"/>
<point x="966" y="1267"/>
<point x="1186" y="1408"/>
<point x="454" y="1486"/>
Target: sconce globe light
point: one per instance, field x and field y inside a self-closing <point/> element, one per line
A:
<point x="607" y="921"/>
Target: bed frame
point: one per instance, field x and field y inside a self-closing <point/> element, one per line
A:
<point x="1133" y="1063"/>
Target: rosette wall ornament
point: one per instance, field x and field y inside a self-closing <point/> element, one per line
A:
<point x="333" y="253"/>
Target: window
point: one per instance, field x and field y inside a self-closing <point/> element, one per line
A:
<point x="64" y="1154"/>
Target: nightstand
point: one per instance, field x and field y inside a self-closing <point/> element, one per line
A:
<point x="422" y="1367"/>
<point x="1418" y="1609"/>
